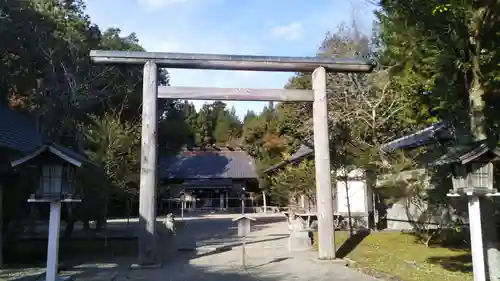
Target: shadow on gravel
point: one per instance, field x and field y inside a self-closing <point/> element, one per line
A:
<point x="96" y="259"/>
<point x="193" y="254"/>
<point x="195" y="273"/>
<point x="270" y="262"/>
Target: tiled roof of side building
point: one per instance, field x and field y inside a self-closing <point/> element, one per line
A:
<point x="18" y="132"/>
<point x="302" y="152"/>
<point x="440" y="131"/>
<point x="203" y="164"/>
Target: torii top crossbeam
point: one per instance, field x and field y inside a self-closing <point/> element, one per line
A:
<point x="232" y="62"/>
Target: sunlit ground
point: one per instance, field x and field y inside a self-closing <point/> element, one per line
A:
<point x="401" y="256"/>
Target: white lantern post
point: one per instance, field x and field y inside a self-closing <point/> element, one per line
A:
<point x="244" y="228"/>
<point x="183" y="204"/>
<point x="473" y="176"/>
<point x="55" y="187"/>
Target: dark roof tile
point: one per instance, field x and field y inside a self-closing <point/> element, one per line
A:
<point x="17" y="132"/>
<point x="60" y="151"/>
<point x="302" y="152"/>
<point x="436" y="132"/>
<point x="208" y="164"/>
<point x="465" y="153"/>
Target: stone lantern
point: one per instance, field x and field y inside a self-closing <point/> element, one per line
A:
<point x="244" y="229"/>
<point x="56" y="165"/>
<point x="472" y="168"/>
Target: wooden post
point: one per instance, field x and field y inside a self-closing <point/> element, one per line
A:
<point x="221" y="200"/>
<point x="348" y="200"/>
<point x="326" y="247"/>
<point x="243" y="245"/>
<point x="264" y="201"/>
<point x="227" y="200"/>
<point x="53" y="245"/>
<point x="183" y="206"/>
<point x="243" y="206"/>
<point x="476" y="237"/>
<point x="147" y="192"/>
<point x="1" y="226"/>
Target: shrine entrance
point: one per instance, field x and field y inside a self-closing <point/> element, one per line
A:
<point x="151" y="92"/>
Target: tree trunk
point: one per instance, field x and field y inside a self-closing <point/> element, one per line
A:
<point x="477" y="29"/>
<point x="381" y="212"/>
<point x="476" y="102"/>
<point x="70" y="222"/>
<point x="349" y="216"/>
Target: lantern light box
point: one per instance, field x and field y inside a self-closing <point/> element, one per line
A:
<point x="472" y="168"/>
<point x="56" y="165"/>
<point x="473" y="175"/>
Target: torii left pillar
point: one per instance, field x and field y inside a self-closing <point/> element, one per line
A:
<point x="147" y="194"/>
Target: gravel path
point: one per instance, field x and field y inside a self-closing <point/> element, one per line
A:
<point x="267" y="258"/>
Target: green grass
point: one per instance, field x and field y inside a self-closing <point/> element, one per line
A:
<point x="401" y="256"/>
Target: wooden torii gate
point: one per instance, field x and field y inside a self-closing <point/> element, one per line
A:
<point x="151" y="92"/>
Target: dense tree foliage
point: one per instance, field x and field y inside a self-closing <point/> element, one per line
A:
<point x="215" y="125"/>
<point x="449" y="50"/>
<point x="45" y="71"/>
<point x="435" y="61"/>
<point x="294" y="181"/>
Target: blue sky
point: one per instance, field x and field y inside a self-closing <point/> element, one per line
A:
<point x="249" y="27"/>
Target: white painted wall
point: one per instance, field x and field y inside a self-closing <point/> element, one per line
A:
<point x="360" y="199"/>
<point x="356" y="199"/>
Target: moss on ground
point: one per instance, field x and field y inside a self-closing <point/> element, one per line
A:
<point x="402" y="257"/>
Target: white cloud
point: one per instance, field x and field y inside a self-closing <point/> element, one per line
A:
<point x="171" y="46"/>
<point x="290" y="31"/>
<point x="155" y="4"/>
